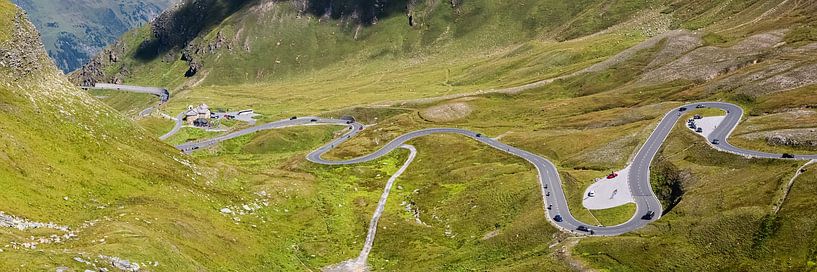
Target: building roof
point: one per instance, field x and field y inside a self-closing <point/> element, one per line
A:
<point x="203" y="108"/>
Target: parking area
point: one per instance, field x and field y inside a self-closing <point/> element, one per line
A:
<point x="608" y="192"/>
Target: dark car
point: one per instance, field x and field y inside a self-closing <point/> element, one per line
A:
<point x="349" y="122"/>
<point x="682" y="109"/>
<point x="699" y="130"/>
<point x="788" y="156"/>
<point x="547" y="194"/>
<point x="716" y="141"/>
<point x="583" y="228"/>
<point x="313" y="120"/>
<point x="479" y="135"/>
<point x="293" y="117"/>
<point x="649" y="215"/>
<point x="557" y="218"/>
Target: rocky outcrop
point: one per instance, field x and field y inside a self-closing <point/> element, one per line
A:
<point x="94" y="71"/>
<point x="23" y="53"/>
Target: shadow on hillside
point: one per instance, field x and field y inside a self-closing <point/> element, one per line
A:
<point x="175" y="29"/>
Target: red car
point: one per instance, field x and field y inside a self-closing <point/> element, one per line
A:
<point x="612" y="175"/>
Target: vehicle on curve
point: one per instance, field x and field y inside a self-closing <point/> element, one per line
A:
<point x="293" y="117"/>
<point x="649" y="215"/>
<point x="716" y="141"/>
<point x="557" y="218"/>
<point x="787" y="156"/>
<point x="479" y="135"/>
<point x="699" y="130"/>
<point x="591" y="194"/>
<point x="682" y="109"/>
<point x="612" y="175"/>
<point x="700" y="106"/>
<point x="583" y="228"/>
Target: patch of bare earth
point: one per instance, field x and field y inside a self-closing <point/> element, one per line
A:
<point x="446" y="112"/>
<point x="352" y="265"/>
<point x="708" y="62"/>
<point x="564" y="252"/>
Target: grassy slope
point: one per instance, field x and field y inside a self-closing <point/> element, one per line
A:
<point x="587" y="126"/>
<point x="68" y="159"/>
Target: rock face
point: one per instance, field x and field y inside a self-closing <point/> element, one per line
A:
<point x="93" y="72"/>
<point x="25" y="56"/>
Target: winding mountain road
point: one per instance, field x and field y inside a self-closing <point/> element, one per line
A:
<point x="553" y="195"/>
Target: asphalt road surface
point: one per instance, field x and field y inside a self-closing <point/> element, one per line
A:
<point x="162" y="93"/>
<point x="176" y="127"/>
<point x="549" y="180"/>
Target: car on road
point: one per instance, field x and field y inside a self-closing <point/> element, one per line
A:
<point x="787" y="156"/>
<point x="699" y="130"/>
<point x="547" y="194"/>
<point x="716" y="141"/>
<point x="612" y="175"/>
<point x="313" y="120"/>
<point x="699" y="106"/>
<point x="682" y="109"/>
<point x="583" y="228"/>
<point x="557" y="218"/>
<point x="293" y="117"/>
<point x="349" y="122"/>
<point x="649" y="215"/>
<point x="550" y="206"/>
<point x="479" y="135"/>
<point x="591" y="194"/>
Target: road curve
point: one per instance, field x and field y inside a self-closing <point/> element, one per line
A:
<point x="176" y="127"/>
<point x="554" y="200"/>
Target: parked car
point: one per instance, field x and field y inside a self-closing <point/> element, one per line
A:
<point x="612" y="175"/>
<point x="649" y="215"/>
<point x="591" y="194"/>
<point x="699" y="106"/>
<point x="547" y="194"/>
<point x="716" y="141"/>
<point x="550" y="206"/>
<point x="697" y="116"/>
<point x="699" y="130"/>
<point x="788" y="156"/>
<point x="557" y="218"/>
